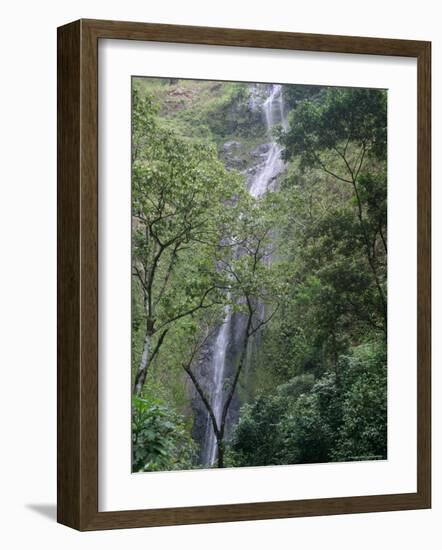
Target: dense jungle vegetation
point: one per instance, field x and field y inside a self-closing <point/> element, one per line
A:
<point x="303" y="268"/>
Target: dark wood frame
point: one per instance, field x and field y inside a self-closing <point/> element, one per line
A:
<point x="78" y="268"/>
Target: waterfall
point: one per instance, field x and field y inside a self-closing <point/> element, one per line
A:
<point x="273" y="109"/>
<point x="267" y="171"/>
<point x="218" y="369"/>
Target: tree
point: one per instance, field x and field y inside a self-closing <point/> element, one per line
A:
<point x="179" y="196"/>
<point x="255" y="288"/>
<point x="337" y="132"/>
<point x="293" y="95"/>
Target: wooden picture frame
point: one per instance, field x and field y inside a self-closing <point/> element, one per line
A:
<point x="78" y="274"/>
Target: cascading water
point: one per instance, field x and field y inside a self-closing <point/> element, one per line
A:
<point x="273" y="108"/>
<point x="267" y="171"/>
<point x="218" y="369"/>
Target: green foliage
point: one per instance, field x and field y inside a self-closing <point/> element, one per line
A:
<point x="258" y="433"/>
<point x="228" y="114"/>
<point x="159" y="438"/>
<point x="333" y="419"/>
<point x="332" y="235"/>
<point x="307" y="437"/>
<point x="293" y="95"/>
<point x="303" y="383"/>
<point x="179" y="195"/>
<point x="310" y="259"/>
<point x="337" y="117"/>
<point x="363" y="431"/>
<point x="205" y="110"/>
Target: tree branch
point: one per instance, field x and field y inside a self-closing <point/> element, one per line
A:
<point x="264" y="322"/>
<point x="201" y="305"/>
<point x="203" y="398"/>
<point x="159" y="343"/>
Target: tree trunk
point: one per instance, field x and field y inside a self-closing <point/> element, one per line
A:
<point x="144" y="363"/>
<point x="237" y="374"/>
<point x="220" y="439"/>
<point x="220" y="459"/>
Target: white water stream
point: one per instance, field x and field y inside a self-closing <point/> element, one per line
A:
<point x="269" y="168"/>
<point x="273" y="108"/>
<point x="218" y="369"/>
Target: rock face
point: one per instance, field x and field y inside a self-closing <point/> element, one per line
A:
<point x="258" y="156"/>
<point x="260" y="152"/>
<point x="229" y="145"/>
<point x="233" y="155"/>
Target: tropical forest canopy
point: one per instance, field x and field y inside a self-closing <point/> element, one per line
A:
<point x="298" y="272"/>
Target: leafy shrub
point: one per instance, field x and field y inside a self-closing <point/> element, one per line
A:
<point x="258" y="433"/>
<point x="159" y="438"/>
<point x="306" y="436"/>
<point x="330" y="419"/>
<point x="363" y="431"/>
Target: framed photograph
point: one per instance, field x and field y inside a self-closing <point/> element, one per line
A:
<point x="243" y="275"/>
